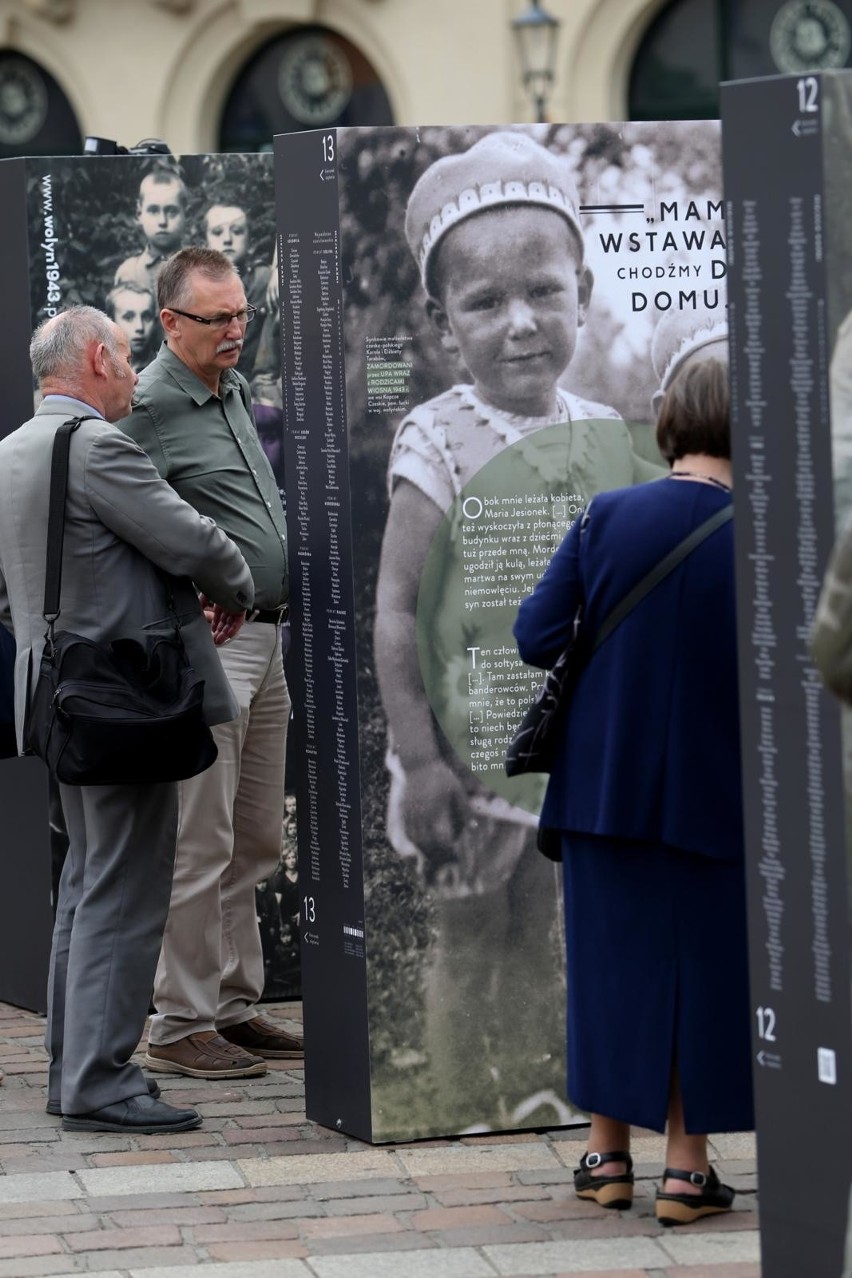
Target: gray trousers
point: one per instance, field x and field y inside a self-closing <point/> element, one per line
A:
<point x="113" y="902"/>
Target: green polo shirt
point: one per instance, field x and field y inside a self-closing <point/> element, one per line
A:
<point x="206" y="446"/>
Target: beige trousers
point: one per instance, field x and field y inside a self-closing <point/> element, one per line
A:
<point x="210" y="972"/>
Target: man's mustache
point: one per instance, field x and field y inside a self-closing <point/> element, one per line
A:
<point x="233" y="343"/>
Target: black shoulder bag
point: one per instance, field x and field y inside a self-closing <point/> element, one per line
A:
<point x="116" y="712"/>
<point x="532" y="747"/>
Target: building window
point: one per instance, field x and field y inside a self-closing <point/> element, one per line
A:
<point x="310" y="78"/>
<point x="35" y="115"/>
<point x="691" y="45"/>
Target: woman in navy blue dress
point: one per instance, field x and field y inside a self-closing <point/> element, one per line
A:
<point x="645" y="788"/>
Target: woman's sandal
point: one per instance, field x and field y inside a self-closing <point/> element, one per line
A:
<point x="683" y="1209"/>
<point x="606" y="1191"/>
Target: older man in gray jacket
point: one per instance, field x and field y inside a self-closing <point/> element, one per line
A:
<point x="128" y="537"/>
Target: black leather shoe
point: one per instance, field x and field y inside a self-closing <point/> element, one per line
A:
<point x="683" y="1209"/>
<point x="55" y="1107"/>
<point x="138" y="1114"/>
<point x="606" y="1191"/>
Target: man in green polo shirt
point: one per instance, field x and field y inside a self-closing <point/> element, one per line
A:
<point x="192" y="415"/>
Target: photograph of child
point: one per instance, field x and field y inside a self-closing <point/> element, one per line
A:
<point x="837" y="176"/>
<point x="486" y="254"/>
<point x="99" y="230"/>
<point x="135" y="311"/>
<point x="507" y="290"/>
<point x="161" y="214"/>
<point x="226" y="228"/>
<point x="103" y="226"/>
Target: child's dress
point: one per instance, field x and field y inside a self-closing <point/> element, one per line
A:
<point x="459" y="451"/>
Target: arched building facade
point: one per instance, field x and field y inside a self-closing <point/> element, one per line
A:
<point x="210" y="75"/>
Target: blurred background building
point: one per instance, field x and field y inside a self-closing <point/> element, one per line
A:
<point x="225" y="75"/>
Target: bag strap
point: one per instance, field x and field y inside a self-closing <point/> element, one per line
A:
<point x="56" y="519"/>
<point x="662" y="570"/>
<point x="56" y="531"/>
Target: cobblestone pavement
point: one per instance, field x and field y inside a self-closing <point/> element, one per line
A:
<point x="261" y="1192"/>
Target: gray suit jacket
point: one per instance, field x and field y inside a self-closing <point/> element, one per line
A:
<point x="121" y="518"/>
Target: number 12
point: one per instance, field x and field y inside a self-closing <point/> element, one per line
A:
<point x="808" y="89"/>
<point x="766" y="1024"/>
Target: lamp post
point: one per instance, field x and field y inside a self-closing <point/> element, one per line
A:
<point x="535" y="33"/>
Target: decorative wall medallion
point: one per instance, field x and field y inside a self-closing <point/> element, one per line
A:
<point x="314" y="80"/>
<point x="23" y="101"/>
<point x="809" y="35"/>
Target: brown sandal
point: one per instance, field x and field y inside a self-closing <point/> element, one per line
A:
<point x="606" y="1191"/>
<point x="683" y="1209"/>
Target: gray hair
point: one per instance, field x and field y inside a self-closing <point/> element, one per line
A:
<point x="173" y="287"/>
<point x="59" y="344"/>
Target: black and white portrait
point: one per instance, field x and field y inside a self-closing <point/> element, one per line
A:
<point x="502" y="290"/>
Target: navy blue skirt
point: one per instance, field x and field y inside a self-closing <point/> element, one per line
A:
<point x="657" y="978"/>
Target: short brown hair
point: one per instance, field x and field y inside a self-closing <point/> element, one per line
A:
<point x="163" y="177"/>
<point x="695" y="413"/>
<point x="128" y="286"/>
<point x="173" y="281"/>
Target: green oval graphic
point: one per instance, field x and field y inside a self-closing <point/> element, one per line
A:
<point x="491" y="548"/>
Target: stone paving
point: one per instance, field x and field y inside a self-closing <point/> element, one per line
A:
<point x="261" y="1192"/>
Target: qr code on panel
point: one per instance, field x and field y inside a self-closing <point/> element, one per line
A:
<point x="826" y="1065"/>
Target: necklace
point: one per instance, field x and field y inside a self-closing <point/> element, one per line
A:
<point x="694" y="474"/>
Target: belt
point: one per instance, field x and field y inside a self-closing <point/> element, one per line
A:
<point x="272" y="616"/>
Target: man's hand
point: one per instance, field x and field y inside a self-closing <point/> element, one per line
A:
<point x="435" y="808"/>
<point x="223" y="625"/>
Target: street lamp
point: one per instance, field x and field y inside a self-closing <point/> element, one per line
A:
<point x="535" y="35"/>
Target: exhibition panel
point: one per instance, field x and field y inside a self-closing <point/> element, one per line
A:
<point x="429" y="482"/>
<point x="788" y="175"/>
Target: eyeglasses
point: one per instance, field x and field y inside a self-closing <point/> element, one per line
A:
<point x="219" y="321"/>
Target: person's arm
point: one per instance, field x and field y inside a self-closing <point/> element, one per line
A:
<point x="128" y="495"/>
<point x="545" y="620"/>
<point x="831" y="636"/>
<point x="224" y="624"/>
<point x="435" y="802"/>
